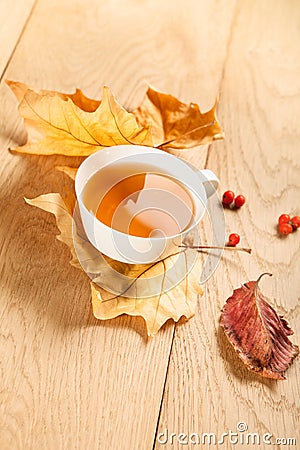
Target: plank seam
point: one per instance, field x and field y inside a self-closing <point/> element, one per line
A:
<point x="163" y="390"/>
<point x="228" y="45"/>
<point x="18" y="40"/>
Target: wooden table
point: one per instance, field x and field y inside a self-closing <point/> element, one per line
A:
<point x="69" y="381"/>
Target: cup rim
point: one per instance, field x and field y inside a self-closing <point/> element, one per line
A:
<point x="121" y="233"/>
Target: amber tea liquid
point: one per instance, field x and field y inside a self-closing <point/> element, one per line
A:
<point x="139" y="200"/>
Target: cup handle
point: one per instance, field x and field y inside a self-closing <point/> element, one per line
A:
<point x="210" y="181"/>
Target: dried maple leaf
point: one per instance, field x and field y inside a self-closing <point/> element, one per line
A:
<point x="175" y="124"/>
<point x="257" y="333"/>
<point x="73" y="124"/>
<point x="155" y="310"/>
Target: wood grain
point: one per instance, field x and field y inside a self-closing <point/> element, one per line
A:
<point x="67" y="380"/>
<point x="208" y="389"/>
<point x="13" y="18"/>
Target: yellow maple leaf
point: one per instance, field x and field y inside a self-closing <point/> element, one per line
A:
<point x="176" y="124"/>
<point x="73" y="124"/>
<point x="156" y="310"/>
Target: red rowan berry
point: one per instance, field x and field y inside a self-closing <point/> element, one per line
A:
<point x="228" y="198"/>
<point x="295" y="222"/>
<point x="284" y="218"/>
<point x="239" y="201"/>
<point x="233" y="240"/>
<point x="285" y="228"/>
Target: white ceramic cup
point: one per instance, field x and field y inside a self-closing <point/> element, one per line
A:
<point x="134" y="249"/>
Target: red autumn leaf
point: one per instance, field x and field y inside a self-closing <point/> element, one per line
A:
<point x="257" y="333"/>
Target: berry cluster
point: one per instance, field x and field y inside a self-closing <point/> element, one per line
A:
<point x="229" y="200"/>
<point x="286" y="224"/>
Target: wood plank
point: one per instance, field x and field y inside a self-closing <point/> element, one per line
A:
<point x="14" y="15"/>
<point x="67" y="380"/>
<point x="208" y="389"/>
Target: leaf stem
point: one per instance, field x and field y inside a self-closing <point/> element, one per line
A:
<point x="216" y="247"/>
<point x="262" y="275"/>
<point x="209" y="124"/>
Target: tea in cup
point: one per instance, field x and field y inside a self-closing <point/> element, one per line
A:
<point x="138" y="203"/>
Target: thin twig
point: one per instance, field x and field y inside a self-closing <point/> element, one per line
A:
<point x="216" y="247"/>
